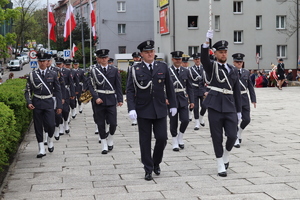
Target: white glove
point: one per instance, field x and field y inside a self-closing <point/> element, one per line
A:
<point x="209" y="35"/>
<point x="132" y="115"/>
<point x="239" y="116"/>
<point x="173" y="111"/>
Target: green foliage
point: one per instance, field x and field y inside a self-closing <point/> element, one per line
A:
<point x="8" y="135"/>
<point x="124" y="80"/>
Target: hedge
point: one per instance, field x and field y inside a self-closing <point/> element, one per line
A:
<point x="14" y="118"/>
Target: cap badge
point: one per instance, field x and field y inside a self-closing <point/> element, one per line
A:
<point x="148" y="42"/>
<point x="103" y="51"/>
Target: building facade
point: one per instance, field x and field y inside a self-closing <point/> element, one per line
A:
<point x="256" y="28"/>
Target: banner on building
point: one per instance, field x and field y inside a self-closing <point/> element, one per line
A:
<point x="163" y="3"/>
<point x="164" y="21"/>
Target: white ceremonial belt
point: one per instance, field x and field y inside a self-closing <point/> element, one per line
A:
<point x="179" y="89"/>
<point x="222" y="90"/>
<point x="244" y="92"/>
<point x="106" y="91"/>
<point x="81" y="83"/>
<point x="194" y="84"/>
<point x="43" y="96"/>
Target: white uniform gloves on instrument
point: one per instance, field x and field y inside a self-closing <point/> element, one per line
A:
<point x="239" y="116"/>
<point x="133" y="115"/>
<point x="209" y="35"/>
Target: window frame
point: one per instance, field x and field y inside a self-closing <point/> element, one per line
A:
<point x="259" y="50"/>
<point x="258" y="19"/>
<point x="236" y="37"/>
<point x="279" y="51"/>
<point x="279" y="22"/>
<point x="121" y="6"/>
<point x="120" y="48"/>
<point x="195" y="19"/>
<point x="192" y="50"/>
<point x="121" y="29"/>
<point x="236" y="6"/>
<point x="217" y="22"/>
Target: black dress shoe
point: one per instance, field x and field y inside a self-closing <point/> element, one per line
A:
<point x="202" y="124"/>
<point x="80" y="112"/>
<point x="67" y="131"/>
<point x="45" y="143"/>
<point x="190" y="120"/>
<point x="175" y="149"/>
<point x="100" y="141"/>
<point x="110" y="147"/>
<point x="96" y="133"/>
<point x="222" y="174"/>
<point x="240" y="141"/>
<point x="61" y="133"/>
<point x="57" y="138"/>
<point x="51" y="149"/>
<point x="196" y="128"/>
<point x="133" y="124"/>
<point x="148" y="176"/>
<point x="40" y="155"/>
<point x="104" y="152"/>
<point x="181" y="146"/>
<point x="156" y="169"/>
<point x="237" y="146"/>
<point x="226" y="165"/>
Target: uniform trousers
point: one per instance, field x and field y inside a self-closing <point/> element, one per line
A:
<point x="73" y="102"/>
<point x="159" y="127"/>
<point x="245" y="116"/>
<point x="78" y="97"/>
<point x="217" y="122"/>
<point x="43" y="118"/>
<point x="198" y="101"/>
<point x="66" y="109"/>
<point x="183" y="114"/>
<point x="104" y="114"/>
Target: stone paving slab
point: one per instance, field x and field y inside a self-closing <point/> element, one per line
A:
<point x="265" y="167"/>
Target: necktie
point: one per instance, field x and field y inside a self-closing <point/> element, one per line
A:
<point x="239" y="73"/>
<point x="104" y="70"/>
<point x="150" y="67"/>
<point x="43" y="74"/>
<point x="223" y="67"/>
<point x="198" y="68"/>
<point x="177" y="71"/>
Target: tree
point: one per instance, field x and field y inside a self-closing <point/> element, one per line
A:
<point x="6" y="15"/>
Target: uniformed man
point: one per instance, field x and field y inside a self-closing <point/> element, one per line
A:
<point x="280" y="73"/>
<point x="81" y="82"/>
<point x="185" y="62"/>
<point x="105" y="85"/>
<point x="42" y="85"/>
<point x="149" y="84"/>
<point x="136" y="56"/>
<point x="245" y="85"/>
<point x="58" y="117"/>
<point x="111" y="61"/>
<point x="70" y="94"/>
<point x="223" y="100"/>
<point x="184" y="95"/>
<point x="199" y="88"/>
<point x="73" y="101"/>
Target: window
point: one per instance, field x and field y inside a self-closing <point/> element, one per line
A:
<point x="237" y="7"/>
<point x="258" y="21"/>
<point x="259" y="50"/>
<point x="281" y="51"/>
<point x="193" y="22"/>
<point x="193" y="49"/>
<point x="121" y="6"/>
<point x="217" y="22"/>
<point x="280" y="22"/>
<point x="121" y="28"/>
<point x="122" y="49"/>
<point x="237" y="38"/>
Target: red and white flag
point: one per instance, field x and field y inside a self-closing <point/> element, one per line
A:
<point x="93" y="20"/>
<point x="70" y="22"/>
<point x="74" y="49"/>
<point x="51" y="24"/>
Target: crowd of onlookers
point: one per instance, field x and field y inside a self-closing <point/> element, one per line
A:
<point x="261" y="78"/>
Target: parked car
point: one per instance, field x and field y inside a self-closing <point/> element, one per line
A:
<point x="15" y="65"/>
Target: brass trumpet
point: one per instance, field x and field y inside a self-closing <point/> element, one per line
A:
<point x="85" y="97"/>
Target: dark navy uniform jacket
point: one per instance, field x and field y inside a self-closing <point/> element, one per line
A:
<point x="217" y="100"/>
<point x="61" y="81"/>
<point x="150" y="103"/>
<point x="201" y="89"/>
<point x="113" y="76"/>
<point x="68" y="77"/>
<point x="51" y="80"/>
<point x="183" y="98"/>
<point x="246" y="81"/>
<point x="75" y="80"/>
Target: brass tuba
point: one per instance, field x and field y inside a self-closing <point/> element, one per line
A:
<point x="85" y="97"/>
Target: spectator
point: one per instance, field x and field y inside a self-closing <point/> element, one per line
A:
<point x="192" y="24"/>
<point x="259" y="80"/>
<point x="289" y="76"/>
<point x="280" y="73"/>
<point x="253" y="76"/>
<point x="298" y="75"/>
<point x="11" y="76"/>
<point x="0" y="79"/>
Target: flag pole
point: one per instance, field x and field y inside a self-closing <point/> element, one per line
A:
<point x="48" y="26"/>
<point x="70" y="28"/>
<point x="209" y="23"/>
<point x="91" y="58"/>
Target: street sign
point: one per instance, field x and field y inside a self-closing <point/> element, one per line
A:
<point x="33" y="64"/>
<point x="67" y="54"/>
<point x="32" y="54"/>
